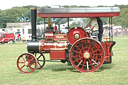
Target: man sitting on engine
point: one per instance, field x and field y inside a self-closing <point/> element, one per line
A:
<point x="96" y="25"/>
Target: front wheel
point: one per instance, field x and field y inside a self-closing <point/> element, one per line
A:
<point x="26" y="63"/>
<point x="40" y="60"/>
<point x="86" y="55"/>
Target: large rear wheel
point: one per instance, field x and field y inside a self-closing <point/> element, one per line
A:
<point x="86" y="55"/>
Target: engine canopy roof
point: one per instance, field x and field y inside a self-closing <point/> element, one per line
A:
<point x="78" y="12"/>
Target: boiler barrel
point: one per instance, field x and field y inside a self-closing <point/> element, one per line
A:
<point x="37" y="47"/>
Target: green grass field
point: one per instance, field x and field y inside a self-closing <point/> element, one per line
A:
<point x="57" y="73"/>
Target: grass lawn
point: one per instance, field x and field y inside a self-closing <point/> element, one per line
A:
<point x="57" y="73"/>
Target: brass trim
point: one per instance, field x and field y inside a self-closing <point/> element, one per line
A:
<point x="39" y="47"/>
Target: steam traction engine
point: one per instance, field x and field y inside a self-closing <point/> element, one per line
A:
<point x="76" y="47"/>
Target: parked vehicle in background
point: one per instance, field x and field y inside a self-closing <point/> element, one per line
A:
<point x="7" y="38"/>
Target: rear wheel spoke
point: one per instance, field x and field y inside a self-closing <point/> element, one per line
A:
<point x="87" y="65"/>
<point x="91" y="64"/>
<point x="78" y="52"/>
<point x="79" y="63"/>
<point x="95" y="62"/>
<point x="83" y="63"/>
<point x="82" y="47"/>
<point x="77" y="47"/>
<point x="77" y="59"/>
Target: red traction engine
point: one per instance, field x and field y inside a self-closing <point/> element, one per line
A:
<point x="76" y="48"/>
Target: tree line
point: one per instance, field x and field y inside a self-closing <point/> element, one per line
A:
<point x="12" y="15"/>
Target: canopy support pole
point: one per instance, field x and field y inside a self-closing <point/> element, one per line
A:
<point x="68" y="23"/>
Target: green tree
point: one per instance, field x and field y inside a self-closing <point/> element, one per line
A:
<point x="122" y="19"/>
<point x="10" y="15"/>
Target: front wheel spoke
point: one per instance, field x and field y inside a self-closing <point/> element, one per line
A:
<point x="22" y="67"/>
<point x="38" y="57"/>
<point x="23" y="59"/>
<point x="33" y="63"/>
<point x="21" y="62"/>
<point x="39" y="64"/>
<point x="31" y="59"/>
<point x="26" y="69"/>
<point x="41" y="60"/>
<point x="30" y="66"/>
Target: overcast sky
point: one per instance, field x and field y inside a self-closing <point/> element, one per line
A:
<point x="6" y="4"/>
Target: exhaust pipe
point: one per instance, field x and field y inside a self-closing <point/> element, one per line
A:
<point x="33" y="45"/>
<point x="33" y="23"/>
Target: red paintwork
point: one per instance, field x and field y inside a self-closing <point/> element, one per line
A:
<point x="53" y="43"/>
<point x="57" y="54"/>
<point x="47" y="46"/>
<point x="107" y="48"/>
<point x="5" y="37"/>
<point x="49" y="36"/>
<point x="62" y="37"/>
<point x="77" y="15"/>
<point x="73" y="31"/>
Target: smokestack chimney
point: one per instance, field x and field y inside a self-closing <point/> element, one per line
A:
<point x="33" y="23"/>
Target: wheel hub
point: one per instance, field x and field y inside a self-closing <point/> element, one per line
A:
<point x="26" y="63"/>
<point x="87" y="55"/>
<point x="77" y="36"/>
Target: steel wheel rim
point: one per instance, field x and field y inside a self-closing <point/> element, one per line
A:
<point x="26" y="63"/>
<point x="90" y="62"/>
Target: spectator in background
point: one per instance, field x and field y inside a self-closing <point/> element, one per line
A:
<point x="123" y="31"/>
<point x="116" y="32"/>
<point x="18" y="37"/>
<point x="126" y="31"/>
